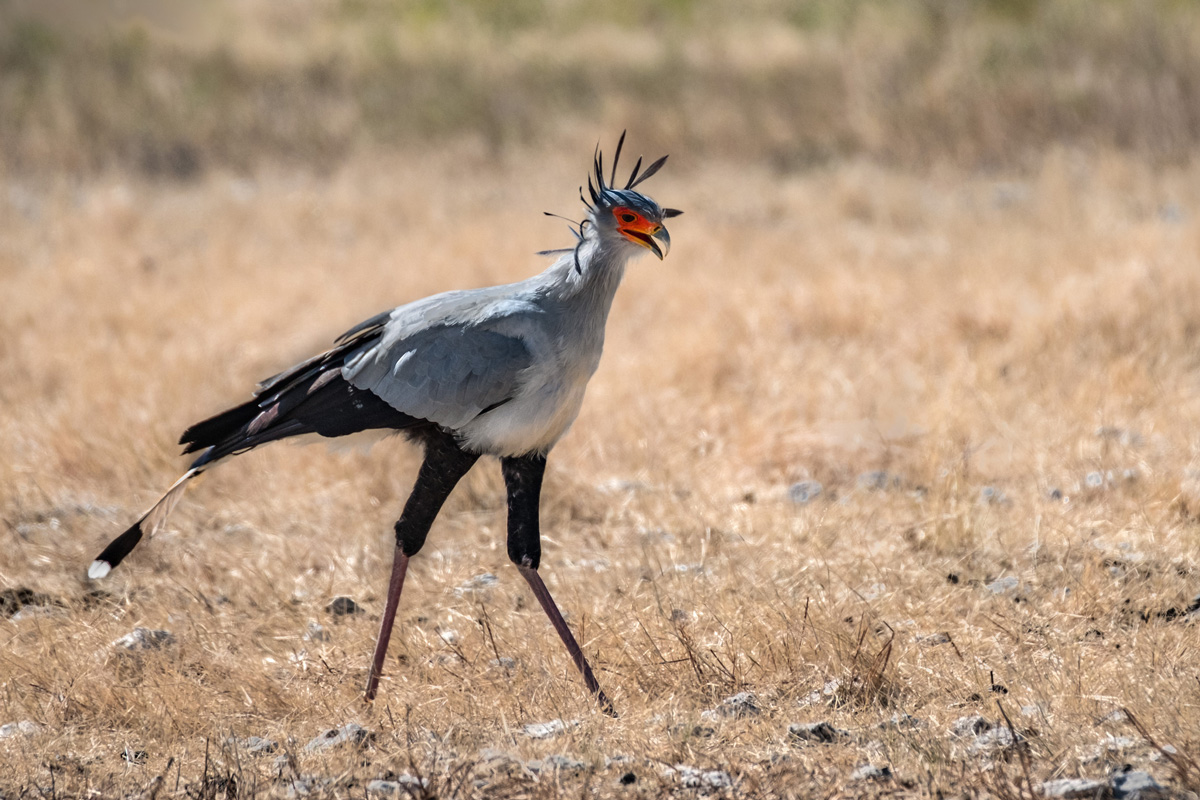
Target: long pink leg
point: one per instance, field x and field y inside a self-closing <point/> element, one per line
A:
<point x="445" y="462"/>
<point x="395" y="585"/>
<point x="523" y="479"/>
<point x="576" y="652"/>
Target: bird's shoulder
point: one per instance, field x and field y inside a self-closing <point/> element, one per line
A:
<point x="497" y="308"/>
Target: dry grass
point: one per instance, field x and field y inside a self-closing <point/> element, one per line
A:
<point x="1012" y="352"/>
<point x="958" y="332"/>
<point x="169" y="89"/>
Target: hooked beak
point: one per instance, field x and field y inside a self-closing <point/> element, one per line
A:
<point x="655" y="239"/>
<point x="661" y="243"/>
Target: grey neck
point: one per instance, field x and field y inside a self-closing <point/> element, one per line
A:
<point x="587" y="280"/>
<point x="582" y="296"/>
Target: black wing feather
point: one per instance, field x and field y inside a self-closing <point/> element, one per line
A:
<point x="311" y="397"/>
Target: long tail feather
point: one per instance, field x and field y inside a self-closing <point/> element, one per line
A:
<point x="147" y="525"/>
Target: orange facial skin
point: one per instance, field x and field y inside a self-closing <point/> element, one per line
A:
<point x="641" y="231"/>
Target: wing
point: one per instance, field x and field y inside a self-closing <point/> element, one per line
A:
<point x="367" y="331"/>
<point x="311" y="397"/>
<point x="447" y="374"/>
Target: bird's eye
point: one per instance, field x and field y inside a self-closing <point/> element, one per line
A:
<point x="628" y="217"/>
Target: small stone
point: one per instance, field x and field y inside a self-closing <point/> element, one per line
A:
<point x="1136" y="786"/>
<point x="402" y="784"/>
<point x="23" y="728"/>
<point x="494" y="761"/>
<point x="969" y="726"/>
<point x="544" y="730"/>
<point x="870" y="772"/>
<point x="351" y="734"/>
<point x="816" y="732"/>
<point x="37" y="612"/>
<point x="1109" y="746"/>
<point x="314" y="632"/>
<point x="479" y="583"/>
<point x="556" y="763"/>
<point x="993" y="740"/>
<point x="1003" y="585"/>
<point x="343" y="606"/>
<point x="901" y="722"/>
<point x="1070" y="788"/>
<point x="503" y="662"/>
<point x="1164" y="752"/>
<point x="144" y="639"/>
<point x="1094" y="480"/>
<point x="686" y="731"/>
<point x="253" y="745"/>
<point x="693" y="778"/>
<point x="877" y="480"/>
<point x="993" y="496"/>
<point x="741" y="704"/>
<point x="561" y="762"/>
<point x="492" y="754"/>
<point x="304" y="785"/>
<point x="933" y="639"/>
<point x="1115" y="744"/>
<point x="826" y="694"/>
<point x="804" y="492"/>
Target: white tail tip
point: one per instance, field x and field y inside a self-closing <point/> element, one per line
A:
<point x="99" y="569"/>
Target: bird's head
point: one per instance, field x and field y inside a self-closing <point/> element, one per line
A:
<point x="624" y="213"/>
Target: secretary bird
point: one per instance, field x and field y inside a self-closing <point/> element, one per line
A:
<point x="496" y="371"/>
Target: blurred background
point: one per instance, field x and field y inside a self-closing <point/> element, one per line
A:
<point x="171" y="88"/>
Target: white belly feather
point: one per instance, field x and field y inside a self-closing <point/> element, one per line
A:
<point x="531" y="422"/>
<point x="547" y="402"/>
<point x="550" y="392"/>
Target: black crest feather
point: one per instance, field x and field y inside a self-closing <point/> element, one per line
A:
<point x="650" y="170"/>
<point x="598" y="186"/>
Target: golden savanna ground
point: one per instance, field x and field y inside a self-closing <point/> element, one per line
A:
<point x="992" y="370"/>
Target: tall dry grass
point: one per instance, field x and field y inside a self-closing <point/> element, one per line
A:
<point x="173" y="88"/>
<point x="984" y="341"/>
